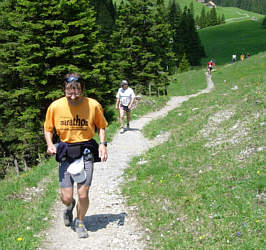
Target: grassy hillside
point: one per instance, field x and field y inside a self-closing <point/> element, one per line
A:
<point x="233" y="14"/>
<point x="220" y="42"/>
<point x="205" y="187"/>
<point x="229" y="12"/>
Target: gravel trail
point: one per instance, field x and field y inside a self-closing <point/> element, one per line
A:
<point x="111" y="224"/>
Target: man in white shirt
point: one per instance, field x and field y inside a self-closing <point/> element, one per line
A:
<point x="124" y="101"/>
<point x="234" y="58"/>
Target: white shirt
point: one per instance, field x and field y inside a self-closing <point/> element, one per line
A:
<point x="125" y="96"/>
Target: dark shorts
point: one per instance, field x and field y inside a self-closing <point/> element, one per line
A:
<point x="125" y="108"/>
<point x="65" y="179"/>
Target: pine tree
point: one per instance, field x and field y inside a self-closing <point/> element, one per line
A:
<point x="203" y="18"/>
<point x="136" y="41"/>
<point x="50" y="38"/>
<point x="184" y="64"/>
<point x="213" y="20"/>
<point x="105" y="16"/>
<point x="174" y="19"/>
<point x="222" y="19"/>
<point x="264" y="22"/>
<point x="9" y="81"/>
<point x="190" y="42"/>
<point x="195" y="50"/>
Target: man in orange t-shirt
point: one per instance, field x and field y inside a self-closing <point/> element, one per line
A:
<point x="74" y="117"/>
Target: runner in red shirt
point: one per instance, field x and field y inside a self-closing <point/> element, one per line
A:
<point x="210" y="66"/>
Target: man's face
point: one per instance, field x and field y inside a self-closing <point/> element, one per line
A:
<point x="73" y="92"/>
<point x="125" y="86"/>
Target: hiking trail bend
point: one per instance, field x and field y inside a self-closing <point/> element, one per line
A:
<point x="111" y="224"/>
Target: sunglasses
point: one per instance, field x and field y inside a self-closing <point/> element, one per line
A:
<point x="71" y="79"/>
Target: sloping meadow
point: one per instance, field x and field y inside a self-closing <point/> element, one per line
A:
<point x="205" y="187"/>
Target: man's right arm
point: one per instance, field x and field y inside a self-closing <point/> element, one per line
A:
<point x="51" y="149"/>
<point x="117" y="103"/>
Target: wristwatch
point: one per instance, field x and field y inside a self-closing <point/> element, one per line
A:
<point x="104" y="143"/>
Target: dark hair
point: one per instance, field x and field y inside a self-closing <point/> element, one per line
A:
<point x="80" y="80"/>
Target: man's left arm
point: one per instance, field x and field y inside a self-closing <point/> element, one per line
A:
<point x="132" y="100"/>
<point x="102" y="146"/>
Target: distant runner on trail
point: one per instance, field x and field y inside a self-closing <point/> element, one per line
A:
<point x="210" y="66"/>
<point x="74" y="117"/>
<point x="234" y="58"/>
<point x="124" y="101"/>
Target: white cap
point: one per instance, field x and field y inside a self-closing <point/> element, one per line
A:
<point x="124" y="82"/>
<point x="76" y="169"/>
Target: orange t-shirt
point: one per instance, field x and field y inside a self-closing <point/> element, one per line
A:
<point x="74" y="123"/>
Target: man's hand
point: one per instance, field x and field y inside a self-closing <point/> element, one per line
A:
<point x="102" y="152"/>
<point x="51" y="149"/>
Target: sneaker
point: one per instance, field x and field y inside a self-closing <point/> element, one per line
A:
<point x="68" y="215"/>
<point x="80" y="229"/>
<point x="122" y="130"/>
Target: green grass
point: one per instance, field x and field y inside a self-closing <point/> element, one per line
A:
<point x="229" y="12"/>
<point x="187" y="83"/>
<point x="21" y="218"/>
<point x="193" y="196"/>
<point x="220" y="42"/>
<point x="189" y="196"/>
<point x="145" y="105"/>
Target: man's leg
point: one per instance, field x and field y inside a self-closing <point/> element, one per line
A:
<point x="83" y="202"/>
<point x="66" y="195"/>
<point x="82" y="208"/>
<point x="67" y="198"/>
<point x="122" y="112"/>
<point x="128" y="119"/>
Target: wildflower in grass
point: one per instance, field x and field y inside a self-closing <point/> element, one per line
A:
<point x="243" y="224"/>
<point x="161" y="181"/>
<point x="257" y="221"/>
<point x="238" y="234"/>
<point x="258" y="172"/>
<point x="19" y="239"/>
<point x="201" y="237"/>
<point x="210" y="216"/>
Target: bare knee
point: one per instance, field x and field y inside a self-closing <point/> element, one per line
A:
<point x="83" y="193"/>
<point x="66" y="196"/>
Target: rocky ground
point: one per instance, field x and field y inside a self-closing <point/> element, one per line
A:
<point x="111" y="224"/>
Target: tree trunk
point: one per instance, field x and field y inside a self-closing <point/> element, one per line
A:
<point x="25" y="165"/>
<point x="149" y="89"/>
<point x="40" y="158"/>
<point x="16" y="165"/>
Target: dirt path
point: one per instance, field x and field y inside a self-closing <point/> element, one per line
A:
<point x="110" y="223"/>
